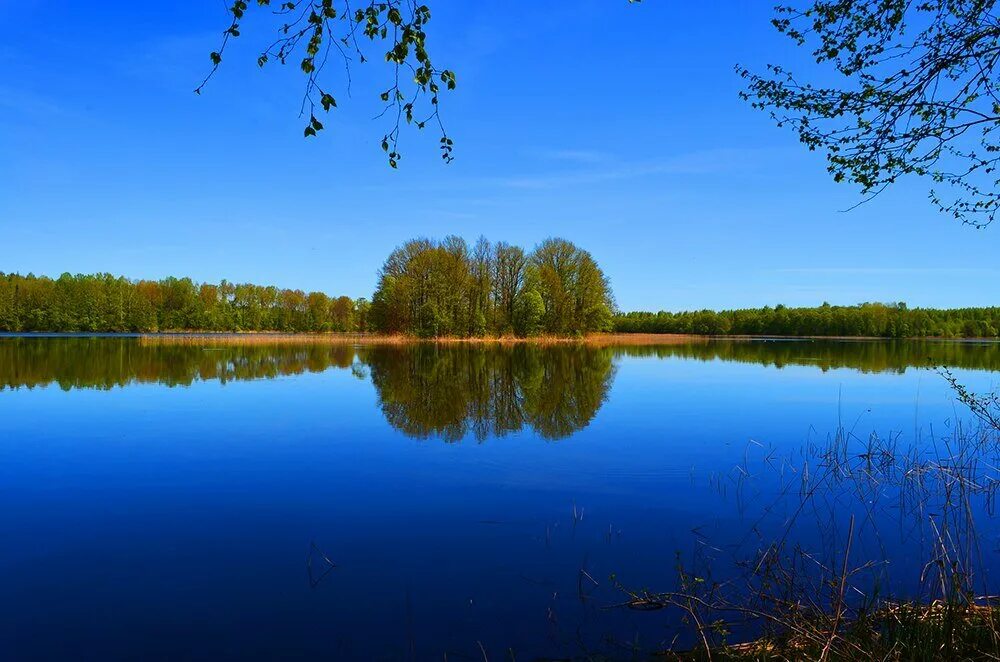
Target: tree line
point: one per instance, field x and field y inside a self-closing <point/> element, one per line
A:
<point x="106" y="303"/>
<point x="894" y="320"/>
<point x="425" y="288"/>
<point x="448" y="288"/>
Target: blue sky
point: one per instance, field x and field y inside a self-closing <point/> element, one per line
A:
<point x="614" y="125"/>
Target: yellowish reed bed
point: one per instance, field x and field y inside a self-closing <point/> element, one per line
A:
<point x="597" y="339"/>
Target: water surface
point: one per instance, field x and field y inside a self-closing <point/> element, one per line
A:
<point x="180" y="500"/>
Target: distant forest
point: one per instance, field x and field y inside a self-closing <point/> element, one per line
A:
<point x="105" y="303"/>
<point x="425" y="288"/>
<point x="433" y="289"/>
<point x="868" y="319"/>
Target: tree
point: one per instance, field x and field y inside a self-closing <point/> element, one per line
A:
<point x="915" y="93"/>
<point x="341" y="314"/>
<point x="575" y="292"/>
<point x="309" y="32"/>
<point x="509" y="263"/>
<point x="319" y="311"/>
<point x="480" y="299"/>
<point x="362" y="312"/>
<point x="429" y="321"/>
<point x="553" y="269"/>
<point x="432" y="288"/>
<point x="528" y="312"/>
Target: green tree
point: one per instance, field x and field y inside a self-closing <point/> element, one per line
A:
<point x="362" y="315"/>
<point x="105" y="303"/>
<point x="576" y="293"/>
<point x="509" y="266"/>
<point x="529" y="309"/>
<point x="430" y="321"/>
<point x="475" y="292"/>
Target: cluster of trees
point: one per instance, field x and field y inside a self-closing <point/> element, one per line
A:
<point x="105" y="303"/>
<point x="867" y="319"/>
<point x="447" y="288"/>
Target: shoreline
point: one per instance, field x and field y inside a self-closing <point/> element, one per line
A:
<point x="597" y="339"/>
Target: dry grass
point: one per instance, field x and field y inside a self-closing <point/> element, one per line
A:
<point x="833" y="602"/>
<point x="597" y="339"/>
<point x="644" y="339"/>
<point x="270" y="339"/>
<point x="898" y="632"/>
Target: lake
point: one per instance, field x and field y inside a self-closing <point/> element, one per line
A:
<point x="212" y="500"/>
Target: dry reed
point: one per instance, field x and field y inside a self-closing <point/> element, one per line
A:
<point x="596" y="340"/>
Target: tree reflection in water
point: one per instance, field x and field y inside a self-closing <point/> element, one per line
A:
<point x="449" y="391"/>
<point x="445" y="390"/>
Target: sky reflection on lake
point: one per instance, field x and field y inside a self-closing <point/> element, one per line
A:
<point x="163" y="500"/>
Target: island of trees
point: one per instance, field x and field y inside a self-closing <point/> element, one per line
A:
<point x="446" y="288"/>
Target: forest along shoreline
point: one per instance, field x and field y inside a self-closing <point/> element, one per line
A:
<point x="448" y="289"/>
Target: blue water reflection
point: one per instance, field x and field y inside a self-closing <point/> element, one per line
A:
<point x="169" y="502"/>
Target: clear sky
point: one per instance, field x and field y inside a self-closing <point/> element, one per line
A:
<point x="614" y="125"/>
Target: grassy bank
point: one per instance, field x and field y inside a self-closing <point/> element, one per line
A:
<point x="842" y="597"/>
<point x="896" y="631"/>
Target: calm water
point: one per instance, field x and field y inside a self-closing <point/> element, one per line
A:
<point x="164" y="501"/>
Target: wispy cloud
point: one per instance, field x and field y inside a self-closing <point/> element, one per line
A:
<point x="883" y="271"/>
<point x="29" y="103"/>
<point x="583" y="156"/>
<point x="698" y="163"/>
<point x="694" y="163"/>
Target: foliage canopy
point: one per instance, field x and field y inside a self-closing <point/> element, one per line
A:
<point x="865" y="320"/>
<point x="430" y="288"/>
<point x="105" y="303"/>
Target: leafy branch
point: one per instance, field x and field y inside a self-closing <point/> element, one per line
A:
<point x="918" y="95"/>
<point x="311" y="31"/>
